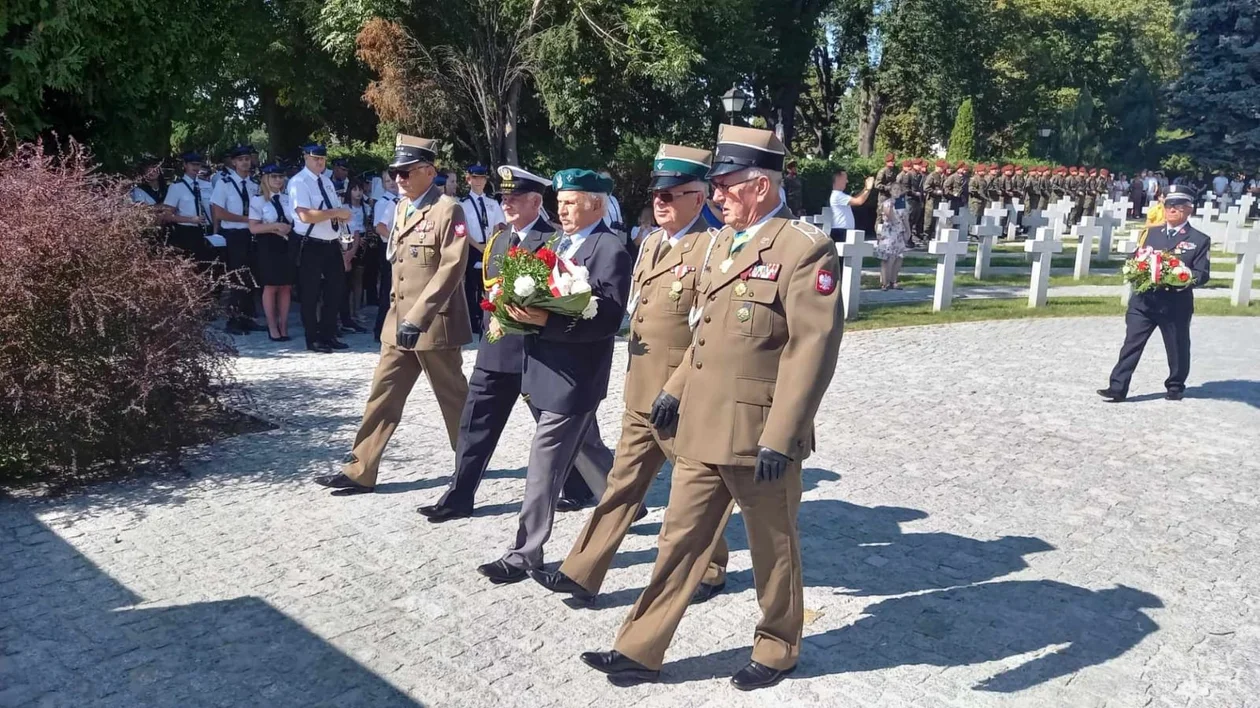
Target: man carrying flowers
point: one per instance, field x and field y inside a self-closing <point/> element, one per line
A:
<point x="569" y="333"/>
<point x="1171" y="260"/>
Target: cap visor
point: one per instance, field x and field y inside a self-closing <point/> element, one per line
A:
<point x="726" y="168"/>
<point x="406" y="163"/>
<point x="670" y="182"/>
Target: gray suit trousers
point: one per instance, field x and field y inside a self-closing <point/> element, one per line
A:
<point x="561" y="442"/>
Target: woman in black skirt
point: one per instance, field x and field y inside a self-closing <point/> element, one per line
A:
<point x="272" y="225"/>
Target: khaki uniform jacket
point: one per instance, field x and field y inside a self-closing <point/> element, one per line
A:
<point x="430" y="250"/>
<point x="659" y="332"/>
<point x="764" y="349"/>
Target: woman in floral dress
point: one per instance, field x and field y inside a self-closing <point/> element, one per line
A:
<point x="890" y="248"/>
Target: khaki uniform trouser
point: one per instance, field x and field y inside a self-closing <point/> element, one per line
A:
<point x="640" y="455"/>
<point x="396" y="374"/>
<point x="700" y="504"/>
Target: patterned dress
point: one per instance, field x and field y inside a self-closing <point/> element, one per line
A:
<point x="894" y="231"/>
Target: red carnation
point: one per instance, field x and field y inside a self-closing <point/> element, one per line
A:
<point x="1173" y="262"/>
<point x="1183" y="277"/>
<point x="513" y="251"/>
<point x="487" y="306"/>
<point x="1144" y="266"/>
<point x="548" y="256"/>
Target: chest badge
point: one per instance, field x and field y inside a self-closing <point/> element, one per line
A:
<point x="415" y="251"/>
<point x="741" y="289"/>
<point x="726" y="265"/>
<point x="675" y="291"/>
<point x="743" y="314"/>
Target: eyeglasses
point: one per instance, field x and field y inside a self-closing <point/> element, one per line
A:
<point x="395" y="174"/>
<point x="721" y="187"/>
<point x="669" y="197"/>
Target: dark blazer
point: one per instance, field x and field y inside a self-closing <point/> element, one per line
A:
<point x="1193" y="247"/>
<point x="568" y="362"/>
<point x="508" y="354"/>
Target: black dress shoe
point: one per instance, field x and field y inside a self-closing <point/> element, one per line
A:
<point x="756" y="676"/>
<point x="704" y="593"/>
<point x="567" y="504"/>
<point x="319" y="347"/>
<point x="556" y="581"/>
<point x="640" y="514"/>
<point x="1113" y="396"/>
<point x="1175" y="395"/>
<point x="438" y="513"/>
<point x="621" y="670"/>
<point x="340" y="481"/>
<point x="336" y="344"/>
<point x="500" y="573"/>
<point x="354" y="327"/>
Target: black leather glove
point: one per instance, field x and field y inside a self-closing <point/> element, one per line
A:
<point x="664" y="414"/>
<point x="408" y="334"/>
<point x="770" y="465"/>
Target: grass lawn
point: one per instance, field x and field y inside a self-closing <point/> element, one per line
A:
<point x="916" y="314"/>
<point x="922" y="261"/>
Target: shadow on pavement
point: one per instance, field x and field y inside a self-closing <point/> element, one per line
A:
<point x="1234" y="390"/>
<point x="70" y="636"/>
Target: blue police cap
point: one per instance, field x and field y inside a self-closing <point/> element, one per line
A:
<point x="191" y="156"/>
<point x="315" y="149"/>
<point x="478" y="169"/>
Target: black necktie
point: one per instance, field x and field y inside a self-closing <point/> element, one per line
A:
<point x="481" y="213"/>
<point x="196" y="192"/>
<point x="275" y="201"/>
<point x="244" y="198"/>
<point x="327" y="202"/>
<point x="514" y="240"/>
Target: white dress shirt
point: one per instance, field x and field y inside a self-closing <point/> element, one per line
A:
<point x="182" y="196"/>
<point x="386" y="207"/>
<point x="139" y="196"/>
<point x="304" y="194"/>
<point x="575" y="241"/>
<point x="474" y="206"/>
<point x="262" y="209"/>
<point x="227" y="196"/>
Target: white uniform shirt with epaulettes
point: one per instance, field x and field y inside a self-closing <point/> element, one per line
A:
<point x="232" y="194"/>
<point x="768" y="325"/>
<point x="663" y="292"/>
<point x="383" y="213"/>
<point x="304" y="193"/>
<point x="264" y="210"/>
<point x="185" y="193"/>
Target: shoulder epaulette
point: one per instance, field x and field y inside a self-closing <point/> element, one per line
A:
<point x="448" y="199"/>
<point x="809" y="230"/>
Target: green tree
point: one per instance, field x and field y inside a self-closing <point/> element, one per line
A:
<point x="962" y="139"/>
<point x="1218" y="97"/>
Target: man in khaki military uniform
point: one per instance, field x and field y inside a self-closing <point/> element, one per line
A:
<point x="662" y="293"/>
<point x="428" y="314"/>
<point x="768" y="329"/>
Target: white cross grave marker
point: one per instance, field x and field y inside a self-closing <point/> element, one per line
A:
<point x="1245" y="248"/>
<point x="1085" y="233"/>
<point x="987" y="231"/>
<point x="1126" y="248"/>
<point x="965" y="220"/>
<point x="1012" y="218"/>
<point x="1245" y="202"/>
<point x="1233" y="219"/>
<point x="1121" y="210"/>
<point x="1043" y="248"/>
<point x="944" y="217"/>
<point x="853" y="249"/>
<point x="1034" y="220"/>
<point x="1107" y="224"/>
<point x="948" y="247"/>
<point x="1063" y="208"/>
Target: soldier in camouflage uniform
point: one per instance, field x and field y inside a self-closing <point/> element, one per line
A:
<point x="914" y="199"/>
<point x="1058" y="185"/>
<point x="1075" y="185"/>
<point x="886" y="180"/>
<point x="978" y="190"/>
<point x="956" y="187"/>
<point x="934" y="194"/>
<point x="1089" y="188"/>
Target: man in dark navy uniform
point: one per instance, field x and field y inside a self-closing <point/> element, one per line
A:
<point x="495" y="384"/>
<point x="1169" y="309"/>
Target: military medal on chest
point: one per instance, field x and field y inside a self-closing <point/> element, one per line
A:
<point x="741" y="289"/>
<point x="676" y="288"/>
<point x="675" y="291"/>
<point x="743" y="314"/>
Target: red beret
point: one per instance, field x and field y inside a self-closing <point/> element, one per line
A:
<point x="890" y="157"/>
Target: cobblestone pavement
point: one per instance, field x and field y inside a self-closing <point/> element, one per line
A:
<point x="979" y="529"/>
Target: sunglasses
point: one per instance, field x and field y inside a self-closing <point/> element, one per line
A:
<point x="669" y="197"/>
<point x="395" y="174"/>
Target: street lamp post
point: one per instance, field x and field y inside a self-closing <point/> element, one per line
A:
<point x="733" y="102"/>
<point x="1045" y="134"/>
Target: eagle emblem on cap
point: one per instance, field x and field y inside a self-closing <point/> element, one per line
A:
<point x="505" y="172"/>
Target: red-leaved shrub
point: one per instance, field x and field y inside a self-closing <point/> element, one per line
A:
<point x="104" y="348"/>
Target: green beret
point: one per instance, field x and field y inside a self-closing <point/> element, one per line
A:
<point x="579" y="180"/>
